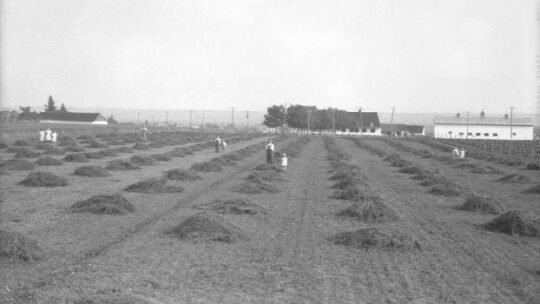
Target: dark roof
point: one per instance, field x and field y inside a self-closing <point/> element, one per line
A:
<point x="365" y="119"/>
<point x="70" y="116"/>
<point x="414" y="129"/>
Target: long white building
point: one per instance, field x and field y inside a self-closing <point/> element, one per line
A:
<point x="482" y="127"/>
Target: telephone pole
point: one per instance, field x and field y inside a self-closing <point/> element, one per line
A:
<point x="190" y="116"/>
<point x="203" y="123"/>
<point x="392" y="122"/>
<point x="334" y="121"/>
<point x="308" y="119"/>
<point x="232" y="117"/>
<point x="361" y="122"/>
<point x="511" y="117"/>
<point x="247" y="120"/>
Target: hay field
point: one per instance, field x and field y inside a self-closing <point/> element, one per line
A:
<point x="344" y="223"/>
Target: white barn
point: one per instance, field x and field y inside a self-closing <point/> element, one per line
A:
<point x="503" y="128"/>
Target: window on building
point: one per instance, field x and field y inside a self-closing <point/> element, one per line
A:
<point x="514" y="134"/>
<point x="461" y="133"/>
<point x="495" y="134"/>
<point x="372" y="130"/>
<point x="478" y="134"/>
<point x="486" y="134"/>
<point x="364" y="130"/>
<point x="449" y="132"/>
<point x="469" y="134"/>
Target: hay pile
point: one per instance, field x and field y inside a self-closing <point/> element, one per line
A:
<point x="533" y="166"/>
<point x="392" y="158"/>
<point x="254" y="187"/>
<point x="410" y="170"/>
<point x="513" y="222"/>
<point x="121" y="164"/>
<point x="372" y="210"/>
<point x="381" y="238"/>
<point x="43" y="146"/>
<point x="209" y="166"/>
<point x="263" y="167"/>
<point x="67" y="142"/>
<point x="205" y="226"/>
<point x="486" y="170"/>
<point x="142" y="160"/>
<point x="74" y="149"/>
<point x="76" y="157"/>
<point x="124" y="150"/>
<point x="95" y="144"/>
<point x="445" y="189"/>
<point x="94" y="155"/>
<point x="108" y="152"/>
<point x="153" y="185"/>
<point x="3" y="145"/>
<point x="182" y="175"/>
<point x="54" y="151"/>
<point x="17" y="150"/>
<point x="534" y="190"/>
<point x="477" y="203"/>
<point x="91" y="171"/>
<point x="25" y="153"/>
<point x="21" y="142"/>
<point x="233" y="206"/>
<point x="162" y="156"/>
<point x="43" y="179"/>
<point x="48" y="161"/>
<point x="514" y="179"/>
<point x="17" y="246"/>
<point x="140" y="146"/>
<point x="266" y="175"/>
<point x="104" y="204"/>
<point x="17" y="164"/>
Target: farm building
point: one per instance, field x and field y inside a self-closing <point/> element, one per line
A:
<point x="483" y="127"/>
<point x="402" y="130"/>
<point x="72" y="118"/>
<point x="362" y="123"/>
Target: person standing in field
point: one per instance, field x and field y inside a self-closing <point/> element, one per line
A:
<point x="54" y="136"/>
<point x="462" y="153"/>
<point x="284" y="161"/>
<point x="269" y="151"/>
<point x="217" y="144"/>
<point x="41" y="135"/>
<point x="455" y="153"/>
<point x="223" y="145"/>
<point x="48" y="135"/>
<point x="144" y="137"/>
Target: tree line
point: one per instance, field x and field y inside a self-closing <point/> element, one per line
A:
<point x="308" y="117"/>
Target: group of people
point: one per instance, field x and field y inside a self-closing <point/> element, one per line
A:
<point x="458" y="154"/>
<point x="48" y="135"/>
<point x="282" y="158"/>
<point x="220" y="145"/>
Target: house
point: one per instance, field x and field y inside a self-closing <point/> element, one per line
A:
<point x="72" y="118"/>
<point x="402" y="130"/>
<point x="482" y="127"/>
<point x="362" y="123"/>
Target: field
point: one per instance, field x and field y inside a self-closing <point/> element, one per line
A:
<point x="349" y="221"/>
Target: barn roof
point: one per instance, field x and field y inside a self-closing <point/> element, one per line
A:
<point x="71" y="116"/>
<point x="365" y="119"/>
<point x="415" y="129"/>
<point x="498" y="121"/>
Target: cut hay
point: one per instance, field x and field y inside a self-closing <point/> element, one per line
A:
<point x="140" y="146"/>
<point x="21" y="142"/>
<point x="43" y="179"/>
<point x="267" y="175"/>
<point x="534" y="190"/>
<point x="43" y="146"/>
<point x="366" y="238"/>
<point x="14" y="245"/>
<point x="373" y="210"/>
<point x="142" y="160"/>
<point x="3" y="145"/>
<point x="513" y="222"/>
<point x="124" y="150"/>
<point x="67" y="142"/>
<point x="76" y="157"/>
<point x="209" y="166"/>
<point x="104" y="204"/>
<point x="514" y="179"/>
<point x="94" y="155"/>
<point x="17" y="164"/>
<point x="74" y="149"/>
<point x="401" y="163"/>
<point x="17" y="150"/>
<point x="25" y="153"/>
<point x="268" y="167"/>
<point x="532" y="166"/>
<point x="182" y="175"/>
<point x="162" y="157"/>
<point x="392" y="158"/>
<point x="108" y="153"/>
<point x="477" y="203"/>
<point x="486" y="170"/>
<point x="54" y="151"/>
<point x="233" y="206"/>
<point x="95" y="144"/>
<point x="121" y="164"/>
<point x="254" y="187"/>
<point x="446" y="189"/>
<point x="351" y="193"/>
<point x="91" y="171"/>
<point x="153" y="185"/>
<point x="205" y="226"/>
<point x="410" y="170"/>
<point x="48" y="161"/>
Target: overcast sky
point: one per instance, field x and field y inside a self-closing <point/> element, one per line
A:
<point x="416" y="55"/>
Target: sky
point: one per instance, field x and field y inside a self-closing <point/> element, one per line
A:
<point x="415" y="55"/>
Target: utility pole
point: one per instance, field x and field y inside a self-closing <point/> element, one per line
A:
<point x="203" y="123"/>
<point x="361" y="122"/>
<point x="334" y="121"/>
<point x="511" y="117"/>
<point x="467" y="135"/>
<point x="308" y="119"/>
<point x="247" y="120"/>
<point x="232" y="117"/>
<point x="392" y="122"/>
<point x="190" y="116"/>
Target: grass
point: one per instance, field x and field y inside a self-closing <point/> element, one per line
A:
<point x="142" y="160"/>
<point x="380" y="238"/>
<point x="17" y="164"/>
<point x="91" y="171"/>
<point x="234" y="206"/>
<point x="48" y="161"/>
<point x="182" y="175"/>
<point x="120" y="165"/>
<point x="16" y="246"/>
<point x="76" y="157"/>
<point x="254" y="187"/>
<point x="153" y="185"/>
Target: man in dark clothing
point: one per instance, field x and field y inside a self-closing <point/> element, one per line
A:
<point x="269" y="151"/>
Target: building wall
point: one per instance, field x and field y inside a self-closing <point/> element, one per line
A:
<point x="493" y="131"/>
<point x="368" y="133"/>
<point x="74" y="122"/>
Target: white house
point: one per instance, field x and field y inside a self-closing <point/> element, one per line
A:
<point x="361" y="123"/>
<point x="483" y="127"/>
<point x="72" y="118"/>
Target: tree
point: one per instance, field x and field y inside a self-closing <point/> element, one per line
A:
<point x="297" y="116"/>
<point x="110" y="120"/>
<point x="63" y="108"/>
<point x="49" y="106"/>
<point x="27" y="115"/>
<point x="24" y="109"/>
<point x="275" y="116"/>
